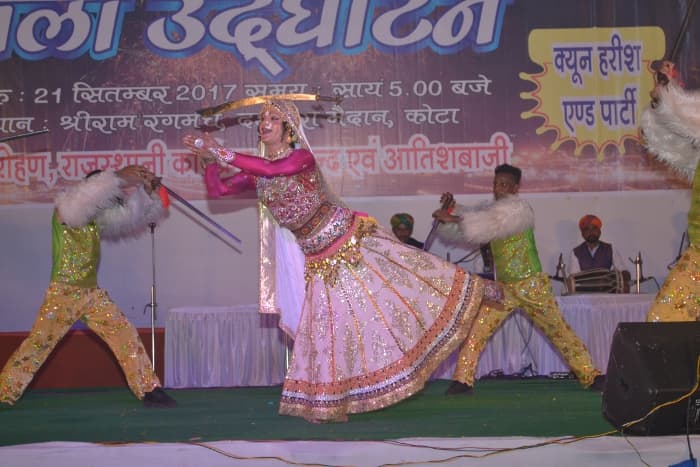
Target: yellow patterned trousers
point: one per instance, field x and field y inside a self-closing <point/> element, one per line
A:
<point x="535" y="297"/>
<point x="678" y="298"/>
<point x="64" y="305"/>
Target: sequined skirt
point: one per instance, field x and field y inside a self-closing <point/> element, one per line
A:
<point x="379" y="316"/>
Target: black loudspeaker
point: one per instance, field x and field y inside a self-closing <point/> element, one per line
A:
<point x="650" y="364"/>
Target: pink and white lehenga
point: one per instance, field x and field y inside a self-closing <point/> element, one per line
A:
<point x="377" y="316"/>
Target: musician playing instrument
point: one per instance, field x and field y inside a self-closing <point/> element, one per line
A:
<point x="507" y="224"/>
<point x="670" y="128"/>
<point x="594" y="254"/>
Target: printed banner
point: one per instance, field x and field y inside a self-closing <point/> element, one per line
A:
<point x="423" y="96"/>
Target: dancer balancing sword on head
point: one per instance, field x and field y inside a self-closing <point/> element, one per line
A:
<point x="371" y="317"/>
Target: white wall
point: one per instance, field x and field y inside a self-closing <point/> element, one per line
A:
<point x="193" y="267"/>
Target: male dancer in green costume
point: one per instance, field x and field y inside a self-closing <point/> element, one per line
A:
<point x="113" y="205"/>
<point x="507" y="224"/>
<point x="671" y="131"/>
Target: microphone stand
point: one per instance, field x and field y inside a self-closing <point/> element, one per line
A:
<point x="561" y="268"/>
<point x="638" y="270"/>
<point x="560" y="275"/>
<point x="152" y="305"/>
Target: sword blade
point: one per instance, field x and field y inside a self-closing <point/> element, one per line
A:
<point x="201" y="214"/>
<point x="24" y="135"/>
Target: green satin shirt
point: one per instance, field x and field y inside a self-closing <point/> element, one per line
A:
<point x="516" y="257"/>
<point x="76" y="253"/>
<point x="694" y="212"/>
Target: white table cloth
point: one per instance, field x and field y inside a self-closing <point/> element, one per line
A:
<point x="517" y="345"/>
<point x="223" y="347"/>
<point x="237" y="346"/>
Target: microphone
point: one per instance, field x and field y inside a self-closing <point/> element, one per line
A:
<point x="560" y="266"/>
<point x="638" y="270"/>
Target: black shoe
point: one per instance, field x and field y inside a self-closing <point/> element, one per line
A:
<point x="598" y="384"/>
<point x="158" y="398"/>
<point x="459" y="388"/>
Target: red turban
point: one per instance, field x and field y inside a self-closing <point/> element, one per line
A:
<point x="589" y="219"/>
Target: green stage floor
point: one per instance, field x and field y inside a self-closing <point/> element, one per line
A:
<point x="522" y="407"/>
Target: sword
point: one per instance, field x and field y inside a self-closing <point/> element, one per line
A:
<point x="675" y="49"/>
<point x="198" y="212"/>
<point x="24" y="135"/>
<point x="445" y="203"/>
<point x="248" y="101"/>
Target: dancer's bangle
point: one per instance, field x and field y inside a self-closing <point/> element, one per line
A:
<point x="223" y="154"/>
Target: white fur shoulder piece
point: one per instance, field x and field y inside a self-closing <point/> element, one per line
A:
<point x="132" y="217"/>
<point x="671" y="130"/>
<point x="498" y="219"/>
<point x="80" y="203"/>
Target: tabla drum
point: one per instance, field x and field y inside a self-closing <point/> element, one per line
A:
<point x="595" y="281"/>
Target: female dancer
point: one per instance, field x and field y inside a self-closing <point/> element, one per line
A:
<point x="376" y="316"/>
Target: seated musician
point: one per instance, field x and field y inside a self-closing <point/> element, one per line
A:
<point x="594" y="253"/>
<point x="402" y="226"/>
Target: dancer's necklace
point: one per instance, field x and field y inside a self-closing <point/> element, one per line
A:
<point x="279" y="154"/>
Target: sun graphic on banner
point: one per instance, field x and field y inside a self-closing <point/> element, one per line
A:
<point x="594" y="83"/>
